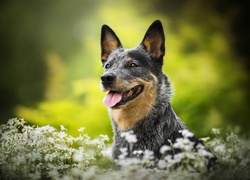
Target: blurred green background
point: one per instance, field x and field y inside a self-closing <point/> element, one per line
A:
<point x="50" y="60"/>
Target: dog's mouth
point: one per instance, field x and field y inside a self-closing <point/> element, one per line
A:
<point x="115" y="99"/>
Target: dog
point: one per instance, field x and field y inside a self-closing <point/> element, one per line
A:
<point x="138" y="93"/>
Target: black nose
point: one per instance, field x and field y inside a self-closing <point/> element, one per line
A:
<point x="107" y="78"/>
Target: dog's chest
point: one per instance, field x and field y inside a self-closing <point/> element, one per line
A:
<point x="146" y="139"/>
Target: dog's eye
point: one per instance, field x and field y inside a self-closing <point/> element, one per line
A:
<point x="133" y="65"/>
<point x="107" y="66"/>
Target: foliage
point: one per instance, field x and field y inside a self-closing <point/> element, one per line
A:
<point x="43" y="152"/>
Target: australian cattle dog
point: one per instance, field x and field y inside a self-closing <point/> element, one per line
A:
<point x="138" y="93"/>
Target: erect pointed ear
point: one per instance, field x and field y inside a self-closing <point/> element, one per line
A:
<point x="109" y="42"/>
<point x="154" y="40"/>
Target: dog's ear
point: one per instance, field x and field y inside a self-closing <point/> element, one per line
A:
<point x="154" y="40"/>
<point x="109" y="42"/>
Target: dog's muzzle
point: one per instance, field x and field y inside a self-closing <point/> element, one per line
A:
<point x="116" y="97"/>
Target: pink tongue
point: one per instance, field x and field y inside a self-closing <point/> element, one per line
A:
<point x="112" y="99"/>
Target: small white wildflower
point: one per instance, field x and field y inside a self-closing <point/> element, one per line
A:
<point x="189" y="147"/>
<point x="79" y="155"/>
<point x="168" y="157"/>
<point x="129" y="136"/>
<point x="62" y="128"/>
<point x="62" y="135"/>
<point x="179" y="143"/>
<point x="47" y="129"/>
<point x="169" y="160"/>
<point x="130" y="164"/>
<point x="89" y="174"/>
<point x="81" y="130"/>
<point x="107" y="152"/>
<point x="186" y="133"/>
<point x="205" y="153"/>
<point x="215" y="142"/>
<point x="138" y="152"/>
<point x="215" y="131"/>
<point x="200" y="164"/>
<point x="20" y="160"/>
<point x="232" y="138"/>
<point x="148" y="157"/>
<point x="202" y="151"/>
<point x="189" y="155"/>
<point x="50" y="140"/>
<point x="36" y="175"/>
<point x="104" y="137"/>
<point x="220" y="149"/>
<point x="178" y="157"/>
<point x="37" y="132"/>
<point x="124" y="153"/>
<point x="162" y="164"/>
<point x="164" y="149"/>
<point x="53" y="174"/>
<point x="184" y="144"/>
<point x="48" y="157"/>
<point x="205" y="139"/>
<point x="10" y="122"/>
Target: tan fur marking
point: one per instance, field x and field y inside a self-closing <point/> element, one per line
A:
<point x="137" y="109"/>
<point x="105" y="56"/>
<point x="109" y="44"/>
<point x="153" y="45"/>
<point x="129" y="59"/>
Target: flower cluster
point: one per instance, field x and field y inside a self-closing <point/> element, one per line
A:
<point x="43" y="152"/>
<point x="30" y="152"/>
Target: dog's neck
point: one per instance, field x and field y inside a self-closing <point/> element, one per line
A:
<point x="157" y="99"/>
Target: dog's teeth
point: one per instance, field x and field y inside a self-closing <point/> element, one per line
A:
<point x="130" y="93"/>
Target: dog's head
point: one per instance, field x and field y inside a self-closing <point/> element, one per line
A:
<point x="131" y="74"/>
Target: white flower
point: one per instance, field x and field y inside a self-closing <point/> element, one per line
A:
<point x="129" y="136"/>
<point x="205" y="153"/>
<point x="50" y="140"/>
<point x="184" y="144"/>
<point x="11" y="122"/>
<point x="186" y="133"/>
<point x="164" y="149"/>
<point x="215" y="131"/>
<point x="62" y="128"/>
<point x="138" y="152"/>
<point x="220" y="149"/>
<point x="61" y="135"/>
<point x="205" y="139"/>
<point x="178" y="157"/>
<point x="162" y="164"/>
<point x="107" y="152"/>
<point x="124" y="153"/>
<point x="104" y="137"/>
<point x="79" y="155"/>
<point x="148" y="155"/>
<point x="81" y="130"/>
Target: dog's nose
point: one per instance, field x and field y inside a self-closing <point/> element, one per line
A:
<point x="107" y="78"/>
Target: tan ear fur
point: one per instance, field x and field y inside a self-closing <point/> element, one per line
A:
<point x="109" y="42"/>
<point x="154" y="40"/>
<point x="153" y="45"/>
